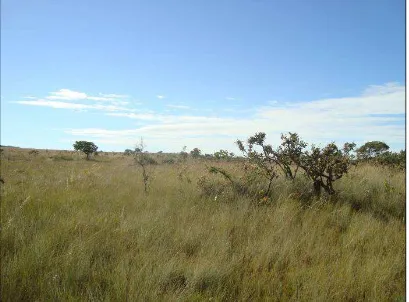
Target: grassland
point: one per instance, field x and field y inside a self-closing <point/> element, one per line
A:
<point x="76" y="230"/>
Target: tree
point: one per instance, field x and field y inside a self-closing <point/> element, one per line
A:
<point x="223" y="154"/>
<point x="322" y="166"/>
<point x="196" y="153"/>
<point x="128" y="152"/>
<point x="371" y="149"/>
<point x="87" y="147"/>
<point x="326" y="165"/>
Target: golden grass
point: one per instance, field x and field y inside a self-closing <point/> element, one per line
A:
<point x="85" y="230"/>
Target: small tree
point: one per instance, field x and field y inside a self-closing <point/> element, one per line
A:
<point x="183" y="154"/>
<point x="143" y="159"/>
<point x="371" y="149"/>
<point x="260" y="154"/>
<point x="324" y="166"/>
<point x="196" y="153"/>
<point x="87" y="147"/>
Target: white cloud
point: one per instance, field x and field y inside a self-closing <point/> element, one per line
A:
<point x="160" y="96"/>
<point x="229" y="98"/>
<point x="67" y="95"/>
<point x="377" y="114"/>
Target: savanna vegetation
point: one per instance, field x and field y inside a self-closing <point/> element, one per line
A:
<point x="287" y="223"/>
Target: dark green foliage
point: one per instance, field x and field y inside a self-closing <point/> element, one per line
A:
<point x="87" y="147"/>
<point x="371" y="149"/>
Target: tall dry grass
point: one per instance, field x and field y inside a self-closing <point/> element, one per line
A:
<point x="85" y="230"/>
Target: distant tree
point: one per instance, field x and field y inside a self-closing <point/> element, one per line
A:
<point x="223" y="154"/>
<point x="128" y="152"/>
<point x="371" y="149"/>
<point x="196" y="153"/>
<point x="87" y="147"/>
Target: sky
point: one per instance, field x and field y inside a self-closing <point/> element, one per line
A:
<point x="201" y="73"/>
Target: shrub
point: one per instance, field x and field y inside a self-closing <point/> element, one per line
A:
<point x="392" y="159"/>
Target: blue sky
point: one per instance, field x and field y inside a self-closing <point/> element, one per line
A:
<point x="201" y="73"/>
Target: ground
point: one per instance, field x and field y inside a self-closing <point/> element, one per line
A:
<point x="73" y="229"/>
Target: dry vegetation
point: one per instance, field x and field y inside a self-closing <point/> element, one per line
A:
<point x="85" y="230"/>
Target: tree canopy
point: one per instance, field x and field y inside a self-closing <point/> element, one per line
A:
<point x="371" y="149"/>
<point x="87" y="147"/>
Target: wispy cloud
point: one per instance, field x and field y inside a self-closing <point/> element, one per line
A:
<point x="178" y="106"/>
<point x="160" y="97"/>
<point x="376" y="114"/>
<point x="69" y="99"/>
<point x="70" y="95"/>
<point x="69" y="105"/>
<point x="115" y="96"/>
<point x="229" y="98"/>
